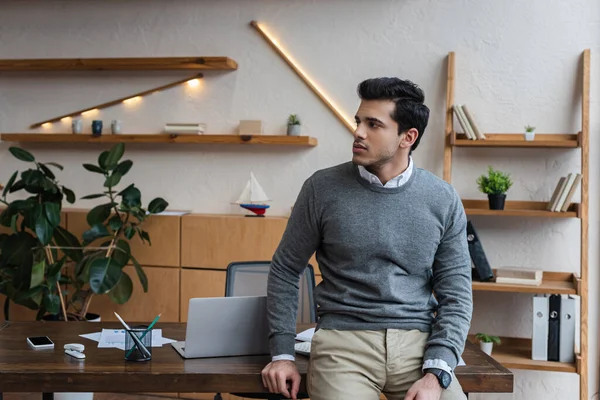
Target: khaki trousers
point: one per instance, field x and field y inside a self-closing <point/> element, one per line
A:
<point x="363" y="364"/>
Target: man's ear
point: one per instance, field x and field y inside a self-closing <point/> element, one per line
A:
<point x="409" y="138"/>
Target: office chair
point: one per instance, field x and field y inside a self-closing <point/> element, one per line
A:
<point x="249" y="278"/>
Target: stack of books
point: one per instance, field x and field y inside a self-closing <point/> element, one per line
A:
<point x="185" y="128"/>
<point x="563" y="192"/>
<point x="466" y="121"/>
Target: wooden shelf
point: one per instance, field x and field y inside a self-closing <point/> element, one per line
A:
<point x="119" y="64"/>
<point x="552" y="283"/>
<point x="518" y="140"/>
<point x="515" y="353"/>
<point x="160" y="138"/>
<point x="519" y="209"/>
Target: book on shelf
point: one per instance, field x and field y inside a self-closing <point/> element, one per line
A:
<point x="183" y="128"/>
<point x="563" y="192"/>
<point x="467" y="122"/>
<point x="519" y="276"/>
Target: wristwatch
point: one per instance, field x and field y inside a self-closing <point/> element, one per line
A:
<point x="444" y="378"/>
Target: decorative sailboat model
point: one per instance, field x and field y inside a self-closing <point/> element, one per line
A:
<point x="253" y="198"/>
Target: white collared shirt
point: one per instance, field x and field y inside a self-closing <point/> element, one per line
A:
<point x="395" y="182"/>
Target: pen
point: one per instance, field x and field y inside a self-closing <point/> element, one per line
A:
<point x="144" y="334"/>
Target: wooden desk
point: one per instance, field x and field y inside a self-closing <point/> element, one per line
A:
<point x="23" y="369"/>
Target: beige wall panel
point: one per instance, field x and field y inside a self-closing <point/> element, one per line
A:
<point x="200" y="283"/>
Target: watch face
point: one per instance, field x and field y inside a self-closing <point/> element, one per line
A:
<point x="446" y="379"/>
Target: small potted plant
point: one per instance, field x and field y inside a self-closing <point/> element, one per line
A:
<point x="529" y="133"/>
<point x="293" y="125"/>
<point x="495" y="185"/>
<point x="486" y="342"/>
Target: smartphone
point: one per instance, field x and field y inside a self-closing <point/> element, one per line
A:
<point x="40" y="342"/>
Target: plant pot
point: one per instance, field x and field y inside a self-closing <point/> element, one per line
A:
<point x="529" y="136"/>
<point x="90" y="317"/>
<point x="496" y="201"/>
<point x="486" y="347"/>
<point x="294" y="130"/>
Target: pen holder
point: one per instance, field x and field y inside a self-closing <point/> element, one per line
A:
<point x="132" y="349"/>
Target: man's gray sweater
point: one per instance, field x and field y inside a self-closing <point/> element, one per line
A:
<point x="391" y="258"/>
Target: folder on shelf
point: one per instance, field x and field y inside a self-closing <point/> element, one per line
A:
<point x="569" y="328"/>
<point x="554" y="327"/>
<point x="482" y="270"/>
<point x="539" y="337"/>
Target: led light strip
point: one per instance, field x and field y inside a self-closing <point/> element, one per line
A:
<point x="348" y="123"/>
<point x="192" y="81"/>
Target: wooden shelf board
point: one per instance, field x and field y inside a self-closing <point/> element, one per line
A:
<point x="552" y="283"/>
<point x="515" y="208"/>
<point x="283" y="140"/>
<point x="518" y="140"/>
<point x="119" y="64"/>
<point x="515" y="353"/>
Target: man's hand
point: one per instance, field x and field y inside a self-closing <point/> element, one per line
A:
<point x="275" y="377"/>
<point x="426" y="388"/>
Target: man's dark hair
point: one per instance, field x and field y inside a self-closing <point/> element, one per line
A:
<point x="410" y="112"/>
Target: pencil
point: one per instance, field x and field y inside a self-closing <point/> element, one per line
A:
<point x="144" y="334"/>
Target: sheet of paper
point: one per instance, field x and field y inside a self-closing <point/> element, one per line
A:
<point x="306" y="336"/>
<point x="115" y="338"/>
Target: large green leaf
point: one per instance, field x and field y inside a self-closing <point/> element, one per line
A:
<point x="115" y="223"/>
<point x="144" y="236"/>
<point x="54" y="272"/>
<point x="69" y="243"/>
<point x="38" y="273"/>
<point x="69" y="194"/>
<point x="98" y="214"/>
<point x="114" y="155"/>
<point x="104" y="275"/>
<point x="33" y="295"/>
<point x="102" y="159"/>
<point x="112" y="180"/>
<point x="122" y="291"/>
<point x="93" y="196"/>
<point x="11" y="181"/>
<point x="124" y="167"/>
<point x="157" y="205"/>
<point x="33" y="177"/>
<point x="129" y="232"/>
<point x="17" y="250"/>
<point x="52" y="213"/>
<point x="7" y="214"/>
<point x="93" y="168"/>
<point x="43" y="228"/>
<point x="122" y="252"/>
<point x="55" y="165"/>
<point x="95" y="232"/>
<point x="21" y="154"/>
<point x="51" y="303"/>
<point x="47" y="171"/>
<point x="18" y="185"/>
<point x="132" y="196"/>
<point x="140" y="273"/>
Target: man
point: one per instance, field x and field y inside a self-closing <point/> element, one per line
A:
<point x="395" y="302"/>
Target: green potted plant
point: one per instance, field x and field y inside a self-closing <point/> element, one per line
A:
<point x="293" y="125"/>
<point x="529" y="132"/>
<point x="486" y="342"/>
<point x="45" y="267"/>
<point x="495" y="185"/>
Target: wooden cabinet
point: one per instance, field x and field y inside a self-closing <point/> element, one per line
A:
<point x="199" y="283"/>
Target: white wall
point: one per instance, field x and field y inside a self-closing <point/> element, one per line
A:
<point x="517" y="64"/>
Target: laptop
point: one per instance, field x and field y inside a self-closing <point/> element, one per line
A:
<point x="225" y="326"/>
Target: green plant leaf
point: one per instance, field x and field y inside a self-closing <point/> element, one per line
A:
<point x="69" y="243"/>
<point x="157" y="205"/>
<point x="70" y="195"/>
<point x="114" y="156"/>
<point x="129" y="232"/>
<point x="55" y="165"/>
<point x="54" y="272"/>
<point x="51" y="303"/>
<point x="19" y="185"/>
<point x="124" y="167"/>
<point x="140" y="273"/>
<point x="112" y="180"/>
<point x="93" y="168"/>
<point x="33" y="295"/>
<point x="43" y="228"/>
<point x="93" y="196"/>
<point x="132" y="196"/>
<point x="47" y="171"/>
<point x="13" y="222"/>
<point x="122" y="291"/>
<point x="102" y="159"/>
<point x="122" y="252"/>
<point x="7" y="215"/>
<point x="52" y="213"/>
<point x="38" y="273"/>
<point x="98" y="214"/>
<point x="10" y="183"/>
<point x="104" y="275"/>
<point x="95" y="232"/>
<point x="21" y="154"/>
<point x="115" y="223"/>
<point x="145" y="237"/>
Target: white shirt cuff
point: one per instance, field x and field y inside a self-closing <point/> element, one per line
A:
<point x="439" y="364"/>
<point x="283" y="357"/>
